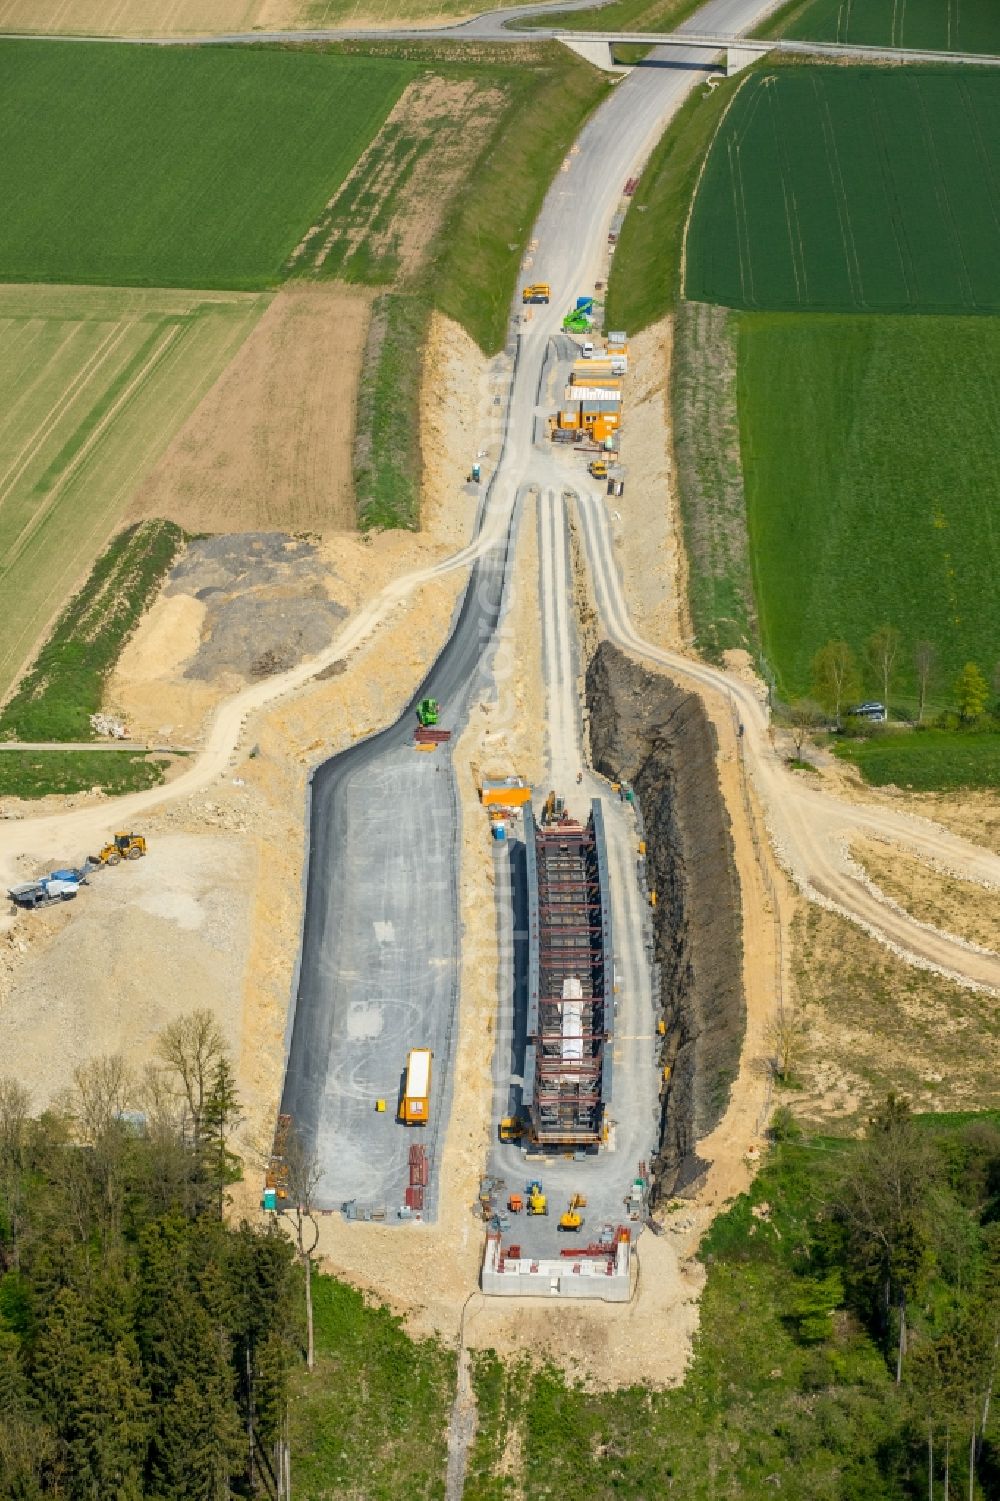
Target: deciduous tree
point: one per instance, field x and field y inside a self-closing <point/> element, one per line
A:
<point x="885" y="1202"/>
<point x="15" y="1105"/>
<point x="882" y="649"/>
<point x="804" y="715"/>
<point x="924" y="662"/>
<point x="191" y="1047"/>
<point x="971" y="692"/>
<point x="835" y="676"/>
<point x="786" y="1036"/>
<point x="304" y="1177"/>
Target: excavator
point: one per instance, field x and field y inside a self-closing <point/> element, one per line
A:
<point x="122" y="847"/>
<point x="427" y="712"/>
<point x="573" y="1219"/>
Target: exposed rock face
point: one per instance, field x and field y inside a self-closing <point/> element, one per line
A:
<point x="649" y="732"/>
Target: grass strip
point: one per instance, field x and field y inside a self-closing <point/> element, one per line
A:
<point x="471" y="276"/>
<point x="927" y="760"/>
<point x="710" y="480"/>
<point x="370" y="1420"/>
<point x="33" y="774"/>
<point x="646" y="268"/>
<point x="786" y="20"/>
<point x="631" y="15"/>
<point x="387" y="459"/>
<point x="65" y="683"/>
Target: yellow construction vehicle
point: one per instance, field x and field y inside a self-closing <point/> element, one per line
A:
<point x="537" y="1202"/>
<point x="123" y="847"/>
<point x="510" y="1128"/>
<point x="538" y="291"/>
<point x="598" y="468"/>
<point x="573" y="1219"/>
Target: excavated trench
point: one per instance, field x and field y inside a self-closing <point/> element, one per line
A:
<point x="656" y="736"/>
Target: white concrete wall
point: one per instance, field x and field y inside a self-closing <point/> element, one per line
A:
<point x="585" y="1277"/>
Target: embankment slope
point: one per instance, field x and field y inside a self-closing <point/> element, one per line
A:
<point x="653" y="734"/>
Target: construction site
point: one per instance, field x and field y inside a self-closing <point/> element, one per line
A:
<point x="500" y="885"/>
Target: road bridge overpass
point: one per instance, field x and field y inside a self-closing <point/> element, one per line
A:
<point x="734" y="53"/>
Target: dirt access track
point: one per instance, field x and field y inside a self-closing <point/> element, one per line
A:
<point x="809" y="828"/>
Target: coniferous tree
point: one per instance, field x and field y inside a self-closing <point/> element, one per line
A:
<point x="222" y="1115"/>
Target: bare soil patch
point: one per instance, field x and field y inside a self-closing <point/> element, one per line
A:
<point x="932" y="896"/>
<point x="269" y="447"/>
<point x="239" y="607"/>
<point x="388" y="210"/>
<point x="458" y="387"/>
<point x="142" y="944"/>
<point x="876" y="1023"/>
<point x="648" y="533"/>
<point x="974" y="815"/>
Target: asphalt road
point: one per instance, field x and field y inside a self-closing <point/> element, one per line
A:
<point x="719" y="19"/>
<point x="379" y="956"/>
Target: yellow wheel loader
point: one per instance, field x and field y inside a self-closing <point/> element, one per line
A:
<point x="122" y="847"/>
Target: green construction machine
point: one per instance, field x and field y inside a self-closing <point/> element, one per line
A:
<point x="580" y="319"/>
<point x="427" y="712"/>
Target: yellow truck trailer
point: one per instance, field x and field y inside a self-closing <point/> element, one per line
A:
<point x="415" y="1108"/>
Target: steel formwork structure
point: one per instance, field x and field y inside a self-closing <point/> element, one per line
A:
<point x="570" y="1016"/>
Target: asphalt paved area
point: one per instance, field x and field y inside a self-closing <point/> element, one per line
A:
<point x="389" y="957"/>
<point x="372" y="862"/>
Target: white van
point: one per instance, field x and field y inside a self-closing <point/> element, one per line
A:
<point x="587" y="350"/>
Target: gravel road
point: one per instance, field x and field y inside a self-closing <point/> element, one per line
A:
<point x="811" y="830"/>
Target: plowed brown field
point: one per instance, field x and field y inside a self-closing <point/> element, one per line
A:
<point x="269" y="447"/>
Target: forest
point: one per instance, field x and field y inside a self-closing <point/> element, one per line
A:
<point x="145" y="1343"/>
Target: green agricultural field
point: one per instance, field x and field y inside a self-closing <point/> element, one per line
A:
<point x="93" y="385"/>
<point x="871" y="456"/>
<point x="853" y="189"/>
<point x="175" y="167"/>
<point x="941" y="25"/>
